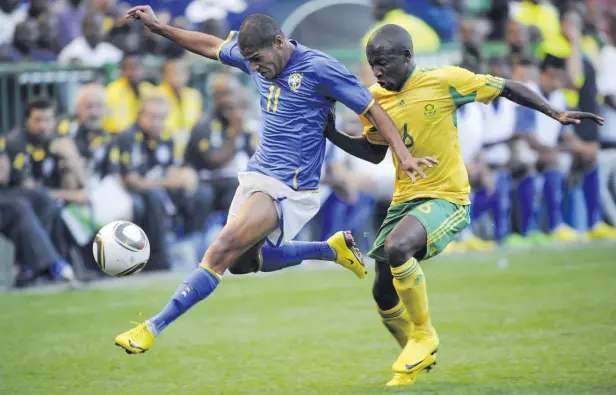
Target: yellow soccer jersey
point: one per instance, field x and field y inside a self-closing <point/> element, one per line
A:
<point x="425" y="113"/>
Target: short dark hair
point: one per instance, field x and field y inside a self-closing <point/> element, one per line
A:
<point x="551" y="61"/>
<point x="258" y="31"/>
<point x="37" y="103"/>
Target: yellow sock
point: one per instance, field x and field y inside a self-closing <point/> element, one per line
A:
<point x="410" y="284"/>
<point x="397" y="322"/>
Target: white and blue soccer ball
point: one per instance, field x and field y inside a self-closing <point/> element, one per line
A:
<point x="121" y="249"/>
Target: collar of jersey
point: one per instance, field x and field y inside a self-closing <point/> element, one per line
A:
<point x="292" y="57"/>
<point x="407" y="83"/>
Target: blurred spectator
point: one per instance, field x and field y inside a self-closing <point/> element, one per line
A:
<point x="540" y="14"/>
<point x="471" y="46"/>
<point x="547" y="137"/>
<point x="215" y="27"/>
<point x="185" y="103"/>
<point x="517" y="39"/>
<point x="498" y="14"/>
<point x="500" y="121"/>
<point x="71" y="16"/>
<point x="86" y="129"/>
<point x="89" y="49"/>
<point x="219" y="139"/>
<point x="567" y="48"/>
<point x="49" y="24"/>
<point x="110" y="11"/>
<point x="12" y="12"/>
<point x="390" y="11"/>
<point x="38" y="8"/>
<point x="35" y="251"/>
<point x="161" y="188"/>
<point x="24" y="48"/>
<point x="607" y="155"/>
<point x="45" y="167"/>
<point x="124" y="95"/>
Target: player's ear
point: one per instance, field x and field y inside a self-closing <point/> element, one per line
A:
<point x="407" y="54"/>
<point x="278" y="41"/>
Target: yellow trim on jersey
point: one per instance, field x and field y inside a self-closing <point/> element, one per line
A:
<point x="295" y="179"/>
<point x="368" y="107"/>
<point x="229" y="38"/>
<point x="211" y="271"/>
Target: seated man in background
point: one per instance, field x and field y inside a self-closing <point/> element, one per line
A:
<point x="581" y="93"/>
<point x="499" y="118"/>
<point x="47" y="172"/>
<point x="124" y="95"/>
<point x="143" y="156"/>
<point x="220" y="144"/>
<point x="108" y="201"/>
<point x="185" y="103"/>
<point x="484" y="196"/>
<point x="547" y="138"/>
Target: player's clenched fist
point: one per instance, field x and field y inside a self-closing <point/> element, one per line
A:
<point x="145" y="14"/>
<point x="413" y="165"/>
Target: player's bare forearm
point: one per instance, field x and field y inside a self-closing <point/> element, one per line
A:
<point x="386" y="127"/>
<point x="356" y="146"/>
<point x="199" y="43"/>
<point x="522" y="95"/>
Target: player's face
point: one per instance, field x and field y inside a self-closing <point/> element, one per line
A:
<point x="41" y="123"/>
<point x="267" y="61"/>
<point x="390" y="70"/>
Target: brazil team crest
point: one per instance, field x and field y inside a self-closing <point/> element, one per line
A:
<point x="295" y="81"/>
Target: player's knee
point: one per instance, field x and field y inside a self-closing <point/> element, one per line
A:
<point x="246" y="264"/>
<point x="224" y="251"/>
<point x="400" y="249"/>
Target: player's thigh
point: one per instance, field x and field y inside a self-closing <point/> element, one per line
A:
<point x="442" y="221"/>
<point x="254" y="221"/>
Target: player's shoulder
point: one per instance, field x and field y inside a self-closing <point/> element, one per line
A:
<point x="442" y="73"/>
<point x="378" y="92"/>
<point x="15" y="140"/>
<point x="315" y="60"/>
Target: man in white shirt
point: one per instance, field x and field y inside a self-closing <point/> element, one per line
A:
<point x="89" y="49"/>
<point x="607" y="154"/>
<point x="11" y="14"/>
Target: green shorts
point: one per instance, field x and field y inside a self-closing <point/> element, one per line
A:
<point x="442" y="220"/>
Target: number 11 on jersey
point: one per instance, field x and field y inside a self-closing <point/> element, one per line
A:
<point x="269" y="98"/>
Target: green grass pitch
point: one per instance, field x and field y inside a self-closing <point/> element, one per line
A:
<point x="545" y="323"/>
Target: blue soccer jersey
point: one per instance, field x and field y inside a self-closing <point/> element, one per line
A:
<point x="295" y="107"/>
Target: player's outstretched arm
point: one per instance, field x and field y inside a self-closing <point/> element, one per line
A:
<point x="199" y="43"/>
<point x="356" y="146"/>
<point x="524" y="96"/>
<point x="379" y="118"/>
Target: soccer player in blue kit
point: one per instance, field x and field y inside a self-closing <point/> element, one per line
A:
<point x="278" y="193"/>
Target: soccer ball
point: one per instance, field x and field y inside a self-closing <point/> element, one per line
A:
<point x="121" y="248"/>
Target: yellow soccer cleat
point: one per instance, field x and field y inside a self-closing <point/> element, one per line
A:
<point x="137" y="340"/>
<point x="455" y="247"/>
<point x="404" y="379"/>
<point x="602" y="231"/>
<point x="347" y="253"/>
<point x="565" y="234"/>
<point x="419" y="353"/>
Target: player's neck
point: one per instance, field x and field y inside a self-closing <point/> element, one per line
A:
<point x="406" y="79"/>
<point x="289" y="48"/>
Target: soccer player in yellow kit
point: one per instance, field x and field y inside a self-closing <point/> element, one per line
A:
<point x="428" y="213"/>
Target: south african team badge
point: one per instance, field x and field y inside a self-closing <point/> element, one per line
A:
<point x="295" y="81"/>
